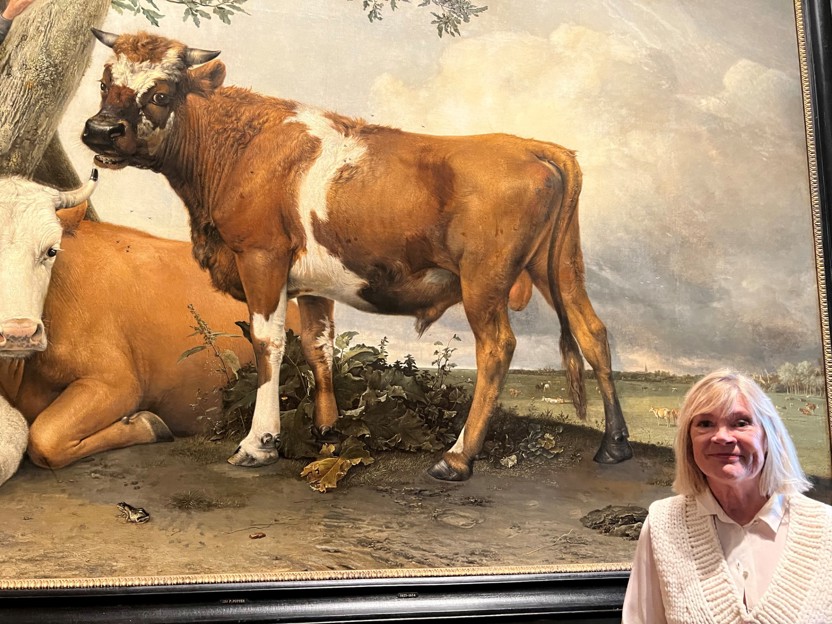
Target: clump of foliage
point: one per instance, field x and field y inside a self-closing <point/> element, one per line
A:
<point x="194" y="10"/>
<point x="383" y="406"/>
<point x="451" y="15"/>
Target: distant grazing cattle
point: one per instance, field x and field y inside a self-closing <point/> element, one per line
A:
<point x="665" y="414"/>
<point x="93" y="320"/>
<point x="286" y="200"/>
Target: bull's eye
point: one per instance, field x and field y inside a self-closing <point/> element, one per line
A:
<point x="50" y="253"/>
<point x="160" y="99"/>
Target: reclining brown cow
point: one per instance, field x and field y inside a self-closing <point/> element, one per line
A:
<point x="93" y="320"/>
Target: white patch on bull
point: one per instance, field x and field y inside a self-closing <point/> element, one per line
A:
<point x="323" y="342"/>
<point x="143" y="75"/>
<point x="29" y="227"/>
<point x="459" y="444"/>
<point x="270" y="330"/>
<point x="153" y="136"/>
<point x="317" y="271"/>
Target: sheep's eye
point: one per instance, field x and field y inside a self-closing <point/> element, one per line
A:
<point x="160" y="99"/>
<point x="104" y="87"/>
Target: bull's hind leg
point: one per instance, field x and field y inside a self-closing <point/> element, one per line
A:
<point x="591" y="335"/>
<point x="89" y="417"/>
<point x="317" y="335"/>
<point x="485" y="305"/>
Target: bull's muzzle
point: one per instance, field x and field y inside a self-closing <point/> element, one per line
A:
<point x="21" y="336"/>
<point x="101" y="132"/>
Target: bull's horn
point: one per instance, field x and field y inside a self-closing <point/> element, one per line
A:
<point x="194" y="56"/>
<point x="108" y="39"/>
<point x="68" y="199"/>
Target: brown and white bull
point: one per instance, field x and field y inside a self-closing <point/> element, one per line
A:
<point x="286" y="200"/>
<point x="93" y="320"/>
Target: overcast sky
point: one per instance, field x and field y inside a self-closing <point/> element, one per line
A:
<point x="688" y="122"/>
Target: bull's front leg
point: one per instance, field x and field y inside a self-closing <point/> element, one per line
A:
<point x="317" y="337"/>
<point x="264" y="282"/>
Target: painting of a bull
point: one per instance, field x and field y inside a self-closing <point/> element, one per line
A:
<point x="290" y="201"/>
<point x="64" y="284"/>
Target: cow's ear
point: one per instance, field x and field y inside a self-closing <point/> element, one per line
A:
<point x="206" y="78"/>
<point x="71" y="218"/>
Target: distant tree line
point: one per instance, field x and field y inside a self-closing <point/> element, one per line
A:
<point x="801" y="378"/>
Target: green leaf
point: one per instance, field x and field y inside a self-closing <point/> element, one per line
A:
<point x="190" y="352"/>
<point x="230" y="359"/>
<point x="342" y="341"/>
<point x="296" y="437"/>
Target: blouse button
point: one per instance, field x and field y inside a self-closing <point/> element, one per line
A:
<point x="745" y="574"/>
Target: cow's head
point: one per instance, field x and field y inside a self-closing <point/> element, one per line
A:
<point x="30" y="240"/>
<point x="143" y="86"/>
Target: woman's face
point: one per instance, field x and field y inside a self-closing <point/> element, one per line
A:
<point x="729" y="447"/>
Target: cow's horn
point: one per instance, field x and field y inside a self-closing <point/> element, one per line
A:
<point x="68" y="199"/>
<point x="193" y="56"/>
<point x="108" y="39"/>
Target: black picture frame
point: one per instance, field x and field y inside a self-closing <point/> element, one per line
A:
<point x="520" y="597"/>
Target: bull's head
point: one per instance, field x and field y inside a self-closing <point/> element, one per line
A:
<point x="30" y="240"/>
<point x="142" y="88"/>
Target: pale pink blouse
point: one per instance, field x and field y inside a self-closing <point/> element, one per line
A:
<point x="751" y="551"/>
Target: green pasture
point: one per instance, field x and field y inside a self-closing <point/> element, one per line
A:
<point x="810" y="432"/>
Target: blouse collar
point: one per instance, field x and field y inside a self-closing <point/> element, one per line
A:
<point x="772" y="513"/>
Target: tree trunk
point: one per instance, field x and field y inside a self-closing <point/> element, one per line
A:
<point x="41" y="64"/>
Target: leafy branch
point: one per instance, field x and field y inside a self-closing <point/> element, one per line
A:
<point x="448" y="16"/>
<point x="195" y="10"/>
<point x="452" y="13"/>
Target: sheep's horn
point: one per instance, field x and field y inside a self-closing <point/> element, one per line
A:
<point x="68" y="199"/>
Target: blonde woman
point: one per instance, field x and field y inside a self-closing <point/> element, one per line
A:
<point x="740" y="542"/>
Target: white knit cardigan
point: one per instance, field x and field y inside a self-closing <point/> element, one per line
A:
<point x="696" y="584"/>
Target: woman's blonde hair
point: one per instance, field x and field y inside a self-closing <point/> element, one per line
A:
<point x="715" y="394"/>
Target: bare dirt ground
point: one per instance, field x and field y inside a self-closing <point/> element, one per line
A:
<point x="208" y="517"/>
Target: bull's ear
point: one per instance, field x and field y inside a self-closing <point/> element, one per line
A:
<point x="207" y="78"/>
<point x="71" y="218"/>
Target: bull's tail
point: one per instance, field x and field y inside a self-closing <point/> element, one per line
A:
<point x="564" y="161"/>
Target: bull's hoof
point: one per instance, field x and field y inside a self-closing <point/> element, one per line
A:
<point x="614" y="451"/>
<point x="443" y="471"/>
<point x="322" y="430"/>
<point x="262" y="457"/>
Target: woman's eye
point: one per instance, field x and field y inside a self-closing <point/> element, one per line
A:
<point x="160" y="99"/>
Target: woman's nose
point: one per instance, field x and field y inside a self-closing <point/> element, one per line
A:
<point x="723" y="435"/>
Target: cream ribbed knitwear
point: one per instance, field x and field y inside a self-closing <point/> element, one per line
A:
<point x="696" y="584"/>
